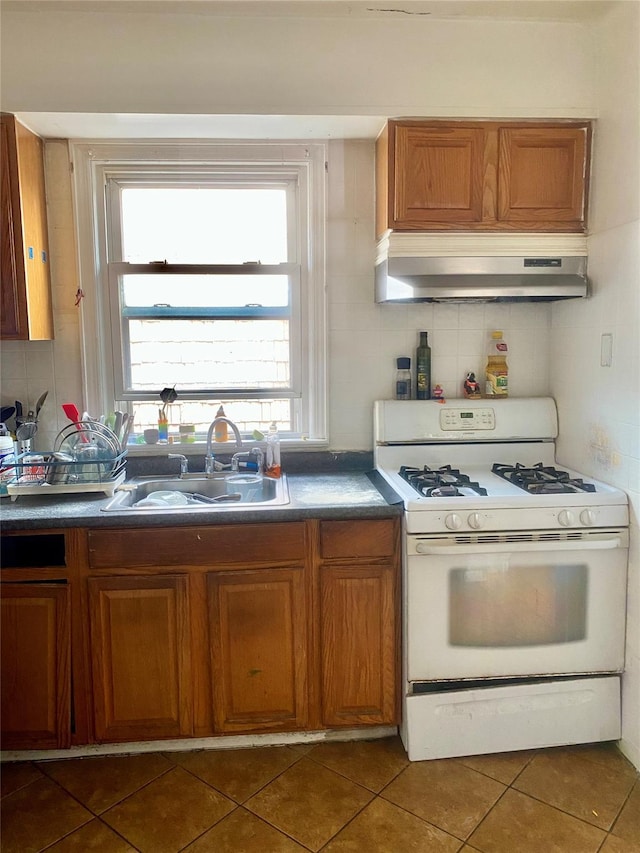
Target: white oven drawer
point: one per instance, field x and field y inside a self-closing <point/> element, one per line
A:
<point x="501" y="611"/>
<point x="502" y="719"/>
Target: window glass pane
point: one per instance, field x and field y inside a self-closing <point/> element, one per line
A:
<point x="209" y="354"/>
<point x="204" y="225"/>
<point x="201" y="291"/>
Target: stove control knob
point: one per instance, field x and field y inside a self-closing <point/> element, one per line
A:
<point x="453" y="521"/>
<point x="475" y="521"/>
<point x="588" y="517"/>
<point x="565" y="518"/>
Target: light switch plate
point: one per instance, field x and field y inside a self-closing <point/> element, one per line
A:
<point x="606" y="350"/>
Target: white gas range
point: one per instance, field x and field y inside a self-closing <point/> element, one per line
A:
<point x="514" y="574"/>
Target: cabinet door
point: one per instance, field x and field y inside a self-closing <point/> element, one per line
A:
<point x="359" y="645"/>
<point x="438" y="175"/>
<point x="36" y="666"/>
<point x="24" y="249"/>
<point x="141" y="660"/>
<point x="14" y="309"/>
<point x="541" y="176"/>
<point x="258" y="624"/>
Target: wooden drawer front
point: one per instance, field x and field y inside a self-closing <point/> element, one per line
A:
<point x="339" y="539"/>
<point x="140" y="657"/>
<point x="196" y="546"/>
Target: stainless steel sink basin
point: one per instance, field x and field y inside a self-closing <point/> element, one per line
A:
<point x="197" y="492"/>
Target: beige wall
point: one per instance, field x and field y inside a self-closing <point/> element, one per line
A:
<point x="599" y="406"/>
<point x="354" y="64"/>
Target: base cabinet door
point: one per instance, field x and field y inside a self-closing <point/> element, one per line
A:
<point x="359" y="645"/>
<point x="36" y="666"/>
<point x="259" y="649"/>
<point x="140" y="654"/>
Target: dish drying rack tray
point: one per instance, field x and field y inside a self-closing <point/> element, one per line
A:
<point x="100" y="468"/>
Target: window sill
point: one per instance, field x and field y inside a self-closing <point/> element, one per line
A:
<point x="228" y="448"/>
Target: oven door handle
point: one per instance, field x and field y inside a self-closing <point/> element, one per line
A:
<point x="503" y="547"/>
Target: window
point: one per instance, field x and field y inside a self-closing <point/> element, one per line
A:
<point x="202" y="267"/>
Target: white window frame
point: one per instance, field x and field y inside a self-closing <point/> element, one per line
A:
<point x="94" y="165"/>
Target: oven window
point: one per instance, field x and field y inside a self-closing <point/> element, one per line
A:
<point x="518" y="605"/>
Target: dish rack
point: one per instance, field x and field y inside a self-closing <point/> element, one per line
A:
<point x="87" y="457"/>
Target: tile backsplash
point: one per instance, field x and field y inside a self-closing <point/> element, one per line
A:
<point x="364" y="339"/>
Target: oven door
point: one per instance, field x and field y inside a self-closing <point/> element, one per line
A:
<point x="513" y="608"/>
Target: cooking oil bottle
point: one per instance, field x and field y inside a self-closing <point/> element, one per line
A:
<point x="497" y="384"/>
<point x="423" y="369"/>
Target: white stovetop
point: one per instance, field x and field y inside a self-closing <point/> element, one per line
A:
<point x="415" y="434"/>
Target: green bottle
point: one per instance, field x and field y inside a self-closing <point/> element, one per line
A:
<point x="423" y="369"/>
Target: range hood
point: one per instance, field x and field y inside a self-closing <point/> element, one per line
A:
<point x="495" y="268"/>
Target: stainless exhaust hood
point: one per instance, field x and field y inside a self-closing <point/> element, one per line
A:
<point x="427" y="267"/>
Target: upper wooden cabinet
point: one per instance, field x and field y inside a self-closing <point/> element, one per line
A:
<point x="482" y="176"/>
<point x="24" y="249"/>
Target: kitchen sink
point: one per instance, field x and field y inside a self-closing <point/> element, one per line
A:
<point x="197" y="492"/>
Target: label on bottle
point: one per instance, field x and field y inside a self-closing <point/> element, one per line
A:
<point x="497" y="384"/>
<point x="403" y="389"/>
<point x="423" y="381"/>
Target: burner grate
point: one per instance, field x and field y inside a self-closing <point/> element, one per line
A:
<point x="443" y="482"/>
<point x="541" y="479"/>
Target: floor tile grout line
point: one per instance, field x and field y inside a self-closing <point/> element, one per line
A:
<point x="351" y="819"/>
<point x="92" y="814"/>
<point x="255" y="793"/>
<point x="486" y="815"/>
<point x="626" y="800"/>
<point x="362" y="785"/>
<point x="209" y="828"/>
<point x="20" y="787"/>
<point x="428" y="822"/>
<point x="95" y="817"/>
<point x="564" y="811"/>
<point x="117" y="802"/>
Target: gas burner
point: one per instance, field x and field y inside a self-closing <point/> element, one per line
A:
<point x="444" y="482"/>
<point x="541" y="479"/>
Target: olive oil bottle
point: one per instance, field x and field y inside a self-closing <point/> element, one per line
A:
<point x="423" y="369"/>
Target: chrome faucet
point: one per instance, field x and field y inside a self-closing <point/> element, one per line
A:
<point x="208" y="459"/>
<point x="251" y="461"/>
<point x="184" y="462"/>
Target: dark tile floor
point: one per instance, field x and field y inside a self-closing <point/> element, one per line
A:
<point x="356" y="797"/>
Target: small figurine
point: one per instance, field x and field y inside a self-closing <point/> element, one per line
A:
<point x="437" y="394"/>
<point x="471" y="388"/>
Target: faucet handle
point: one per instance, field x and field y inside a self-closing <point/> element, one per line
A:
<point x="208" y="464"/>
<point x="252" y="460"/>
<point x="184" y="462"/>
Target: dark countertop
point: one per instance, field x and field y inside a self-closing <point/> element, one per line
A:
<point x="330" y="495"/>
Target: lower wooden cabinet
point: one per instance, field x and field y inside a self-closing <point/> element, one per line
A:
<point x="359" y="643"/>
<point x="36" y="665"/>
<point x="140" y="656"/>
<point x="203" y="631"/>
<point x="359" y="622"/>
<point x="258" y="640"/>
